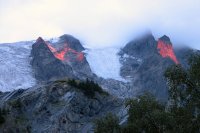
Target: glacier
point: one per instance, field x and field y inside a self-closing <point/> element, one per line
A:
<point x="15" y="68"/>
<point x="104" y="62"/>
<point x="16" y="72"/>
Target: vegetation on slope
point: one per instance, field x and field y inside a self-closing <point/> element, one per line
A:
<point x="3" y="114"/>
<point x="88" y="87"/>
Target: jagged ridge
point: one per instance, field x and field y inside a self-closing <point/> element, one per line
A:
<point x="62" y="59"/>
<point x="165" y="49"/>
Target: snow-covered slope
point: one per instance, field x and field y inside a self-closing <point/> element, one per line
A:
<point x="105" y="62"/>
<point x="15" y="69"/>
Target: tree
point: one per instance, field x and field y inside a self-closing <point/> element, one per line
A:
<point x="146" y="114"/>
<point x="72" y="82"/>
<point x="107" y="124"/>
<point x="2" y="119"/>
<point x="88" y="87"/>
<point x="184" y="95"/>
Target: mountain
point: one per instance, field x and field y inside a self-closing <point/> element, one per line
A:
<point x="144" y="61"/>
<point x="35" y="75"/>
<point x="63" y="59"/>
<point x="138" y="66"/>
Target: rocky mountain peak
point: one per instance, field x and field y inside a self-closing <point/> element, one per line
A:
<point x="165" y="39"/>
<point x="40" y="47"/>
<point x="72" y="42"/>
<point x="60" y="59"/>
<point x="141" y="47"/>
<point x="66" y="54"/>
<point x="39" y="40"/>
<point x="144" y="61"/>
<point x="165" y="48"/>
<point x="45" y="65"/>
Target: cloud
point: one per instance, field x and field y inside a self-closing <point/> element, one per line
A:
<point x="100" y="23"/>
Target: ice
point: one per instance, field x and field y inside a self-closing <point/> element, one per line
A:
<point x="15" y="68"/>
<point x="105" y="62"/>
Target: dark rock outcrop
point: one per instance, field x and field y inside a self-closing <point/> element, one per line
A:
<point x="143" y="60"/>
<point x="55" y="107"/>
<point x="72" y="42"/>
<point x="46" y="67"/>
<point x="141" y="47"/>
<point x="144" y="67"/>
<point x="165" y="39"/>
<point x="63" y="59"/>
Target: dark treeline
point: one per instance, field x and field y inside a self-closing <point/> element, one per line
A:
<point x="88" y="87"/>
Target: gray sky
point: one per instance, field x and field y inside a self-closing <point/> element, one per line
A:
<point x="101" y="23"/>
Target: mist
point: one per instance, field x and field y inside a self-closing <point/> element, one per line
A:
<point x="101" y="23"/>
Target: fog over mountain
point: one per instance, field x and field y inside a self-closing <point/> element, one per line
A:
<point x="101" y="23"/>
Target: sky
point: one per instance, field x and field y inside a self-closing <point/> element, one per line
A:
<point x="101" y="23"/>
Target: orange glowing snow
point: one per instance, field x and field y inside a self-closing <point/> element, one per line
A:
<point x="62" y="54"/>
<point x="166" y="50"/>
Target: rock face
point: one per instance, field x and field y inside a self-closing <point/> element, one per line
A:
<point x="142" y="47"/>
<point x="166" y="49"/>
<point x="62" y="59"/>
<point x="45" y="65"/>
<point x="144" y="62"/>
<point x="55" y="107"/>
